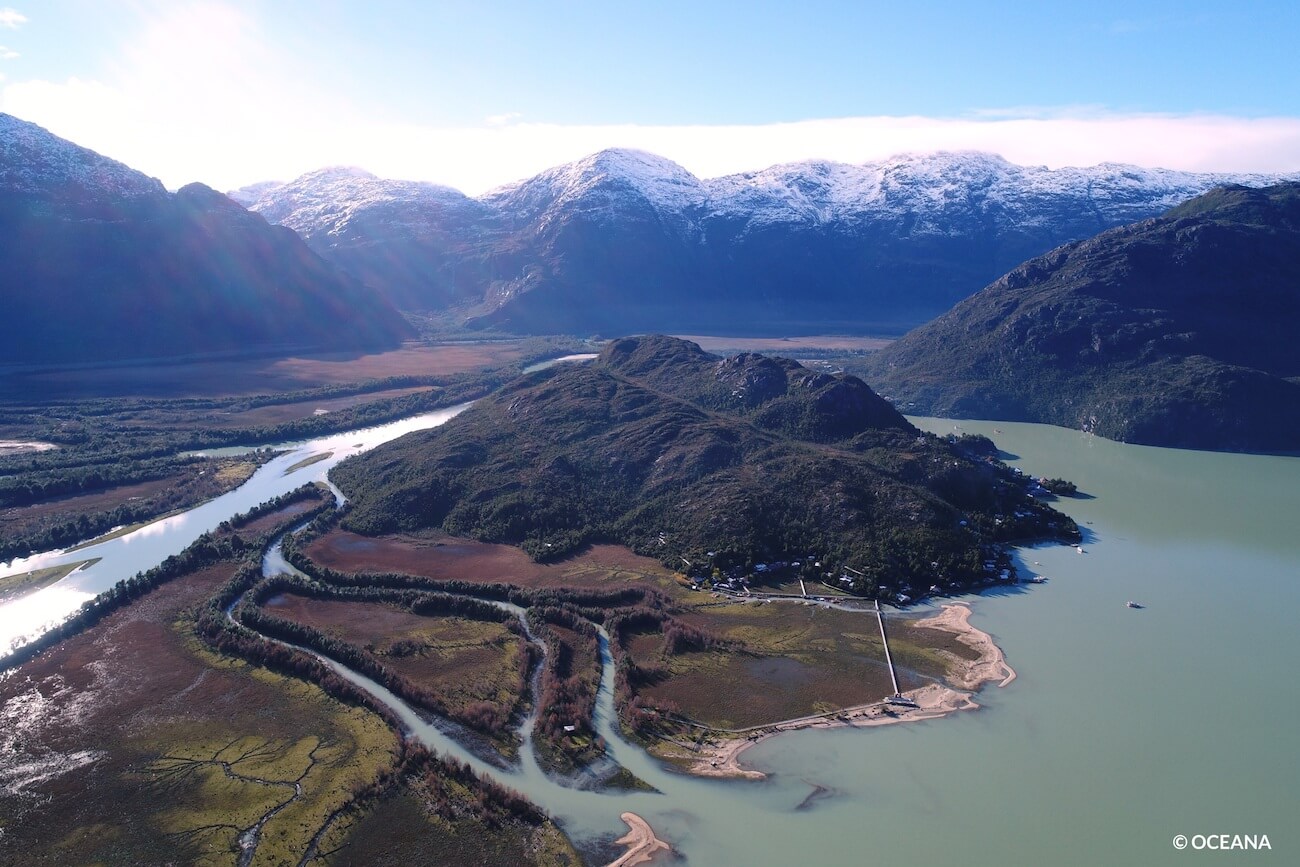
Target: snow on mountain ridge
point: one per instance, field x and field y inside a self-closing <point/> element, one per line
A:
<point x="32" y="159"/>
<point x="250" y="194"/>
<point x="329" y="201"/>
<point x="603" y="180"/>
<point x="928" y="191"/>
<point x="932" y="190"/>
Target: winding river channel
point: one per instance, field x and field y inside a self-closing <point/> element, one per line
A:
<point x="1125" y="727"/>
<point x="148" y="546"/>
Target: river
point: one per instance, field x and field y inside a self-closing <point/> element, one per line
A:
<point x="1124" y="728"/>
<point x="148" y="546"/>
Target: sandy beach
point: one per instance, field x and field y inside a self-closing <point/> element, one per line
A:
<point x="991" y="665"/>
<point x="720" y="758"/>
<point x="641" y="842"/>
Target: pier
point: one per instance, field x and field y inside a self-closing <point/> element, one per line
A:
<point x="884" y="639"/>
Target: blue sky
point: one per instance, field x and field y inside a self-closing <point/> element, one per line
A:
<point x="478" y="93"/>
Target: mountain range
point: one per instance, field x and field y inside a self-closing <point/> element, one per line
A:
<point x="624" y="241"/>
<point x="1175" y="331"/>
<point x="100" y="262"/>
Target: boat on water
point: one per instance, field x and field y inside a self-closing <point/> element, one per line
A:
<point x="1132" y="604"/>
<point x="1079" y="548"/>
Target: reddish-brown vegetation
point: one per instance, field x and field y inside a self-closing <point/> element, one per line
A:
<point x="453" y="559"/>
<point x="788" y="345"/>
<point x="474" y="672"/>
<point x="213" y="378"/>
<point x="567" y="692"/>
<point x="113" y="695"/>
<point x="266" y="523"/>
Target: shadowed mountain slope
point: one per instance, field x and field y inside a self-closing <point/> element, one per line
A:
<point x="100" y="262"/>
<point x="1176" y="331"/>
<point x="624" y="241"/>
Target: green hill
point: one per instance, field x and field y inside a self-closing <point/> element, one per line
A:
<point x="677" y="453"/>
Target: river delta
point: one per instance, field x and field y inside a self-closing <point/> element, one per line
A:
<point x="1114" y="734"/>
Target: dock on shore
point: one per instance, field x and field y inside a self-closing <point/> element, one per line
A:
<point x="880" y="618"/>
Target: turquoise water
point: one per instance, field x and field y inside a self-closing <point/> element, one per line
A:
<point x="1124" y="728"/>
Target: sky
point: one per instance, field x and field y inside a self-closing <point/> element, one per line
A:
<point x="476" y="93"/>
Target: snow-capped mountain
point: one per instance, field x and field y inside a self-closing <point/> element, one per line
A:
<point x="624" y="240"/>
<point x="937" y="191"/>
<point x="101" y="262"/>
<point x="32" y="160"/>
<point x="400" y="237"/>
<point x="335" y="201"/>
<point x="604" y="184"/>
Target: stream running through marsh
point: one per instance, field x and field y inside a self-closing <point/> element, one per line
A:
<point x="583" y="813"/>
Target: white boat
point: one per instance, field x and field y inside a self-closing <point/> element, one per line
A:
<point x="1132" y="604"/>
<point x="1079" y="548"/>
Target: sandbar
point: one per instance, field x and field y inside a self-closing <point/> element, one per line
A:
<point x="720" y="758"/>
<point x="641" y="842"/>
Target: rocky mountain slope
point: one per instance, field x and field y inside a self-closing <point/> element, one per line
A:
<point x="628" y="241"/>
<point x="1176" y="331"/>
<point x="101" y="262"/>
<point x="678" y="453"/>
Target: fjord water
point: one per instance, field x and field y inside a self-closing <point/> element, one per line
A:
<point x="1124" y="728"/>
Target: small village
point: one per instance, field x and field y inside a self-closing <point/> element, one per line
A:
<point x="817" y="579"/>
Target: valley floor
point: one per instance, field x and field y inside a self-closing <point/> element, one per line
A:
<point x="805" y="665"/>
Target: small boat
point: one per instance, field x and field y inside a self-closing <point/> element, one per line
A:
<point x="1079" y="548"/>
<point x="1132" y="604"/>
<point x="1038" y="579"/>
<point x="901" y="700"/>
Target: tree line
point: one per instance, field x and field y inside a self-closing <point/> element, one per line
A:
<point x="204" y="551"/>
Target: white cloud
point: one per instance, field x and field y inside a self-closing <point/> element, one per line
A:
<point x="7" y="53"/>
<point x="199" y="95"/>
<point x="12" y="19"/>
<point x="229" y="145"/>
<point x="475" y="159"/>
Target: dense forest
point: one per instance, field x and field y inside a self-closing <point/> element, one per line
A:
<point x="679" y="454"/>
<point x="1177" y="331"/>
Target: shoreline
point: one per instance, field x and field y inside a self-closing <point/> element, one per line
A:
<point x="934" y="700"/>
<point x="641" y="841"/>
<point x="991" y="664"/>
